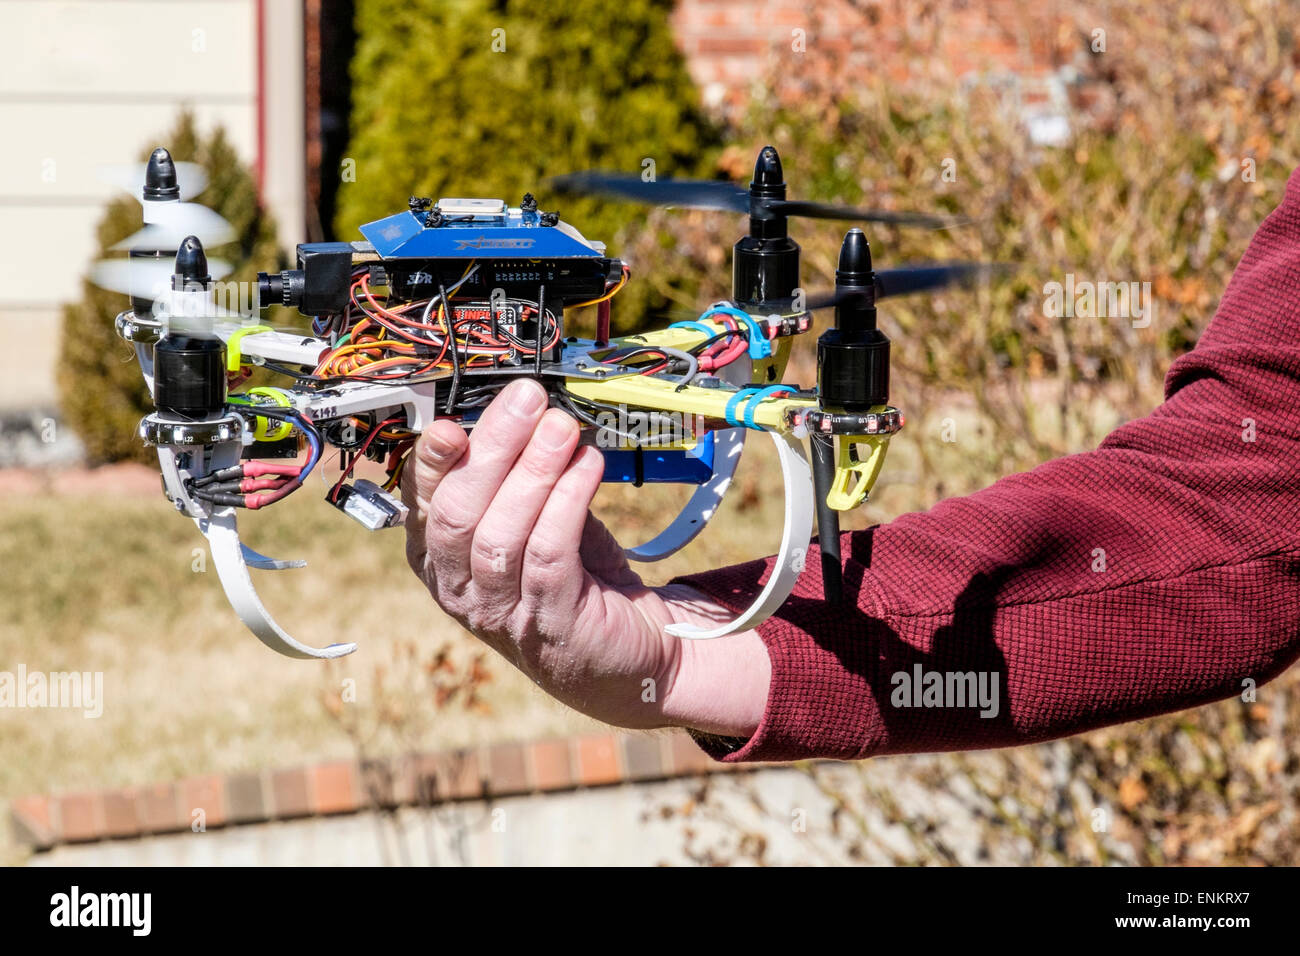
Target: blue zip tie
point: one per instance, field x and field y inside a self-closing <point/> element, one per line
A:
<point x="730" y="412"/>
<point x="761" y="394"/>
<point x="697" y="326"/>
<point x="759" y="346"/>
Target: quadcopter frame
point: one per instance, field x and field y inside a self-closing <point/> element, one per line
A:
<point x="721" y="372"/>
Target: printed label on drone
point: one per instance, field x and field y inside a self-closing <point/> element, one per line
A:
<point x="482" y="242"/>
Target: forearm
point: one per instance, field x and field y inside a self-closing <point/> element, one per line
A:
<point x="1059" y="651"/>
<point x="1156" y="573"/>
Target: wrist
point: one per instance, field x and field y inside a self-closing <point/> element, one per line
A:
<point x="720" y="685"/>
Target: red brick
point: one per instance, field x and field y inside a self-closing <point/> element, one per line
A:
<point x="334" y="788"/>
<point x="386" y="783"/>
<point x="598" y="761"/>
<point x="445" y="776"/>
<point x="732" y="45"/>
<point x="507" y="769"/>
<point x="552" y="765"/>
<point x="159" y="812"/>
<point x="81" y="817"/>
<point x="463" y="774"/>
<point x="31" y="819"/>
<point x="687" y="757"/>
<point x="289" y="794"/>
<point x="246" y="798"/>
<point x="206" y="794"/>
<point x="120" y="817"/>
<point x="643" y="757"/>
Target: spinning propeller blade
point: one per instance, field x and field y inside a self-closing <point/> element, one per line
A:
<point x="191" y="178"/>
<point x="670" y="193"/>
<point x="144" y="278"/>
<point x="173" y="222"/>
<point x="757" y="201"/>
<point x="911" y="279"/>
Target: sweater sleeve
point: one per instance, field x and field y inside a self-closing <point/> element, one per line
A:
<point x="1157" y="572"/>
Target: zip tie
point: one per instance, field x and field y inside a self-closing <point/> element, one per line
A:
<point x="730" y="411"/>
<point x="752" y="404"/>
<point x="233" y="357"/>
<point x="759" y="346"/>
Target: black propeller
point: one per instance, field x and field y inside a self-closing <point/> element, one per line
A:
<point x="909" y="280"/>
<point x="758" y="202"/>
<point x="888" y="283"/>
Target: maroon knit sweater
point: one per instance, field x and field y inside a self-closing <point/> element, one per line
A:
<point x="1200" y="529"/>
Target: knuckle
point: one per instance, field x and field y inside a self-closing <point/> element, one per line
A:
<point x="540" y="585"/>
<point x="542" y="556"/>
<point x="448" y="520"/>
<point x="541" y="466"/>
<point x="488" y="553"/>
<point x="486" y="617"/>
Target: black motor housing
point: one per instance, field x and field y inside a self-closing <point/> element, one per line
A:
<point x="765" y="263"/>
<point x="853" y="369"/>
<point x="189" y="376"/>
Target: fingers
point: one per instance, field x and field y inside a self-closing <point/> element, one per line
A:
<point x="499" y="540"/>
<point x="552" y="574"/>
<point x="437" y="451"/>
<point x="456" y="506"/>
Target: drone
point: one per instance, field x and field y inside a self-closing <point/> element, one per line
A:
<point x="440" y="306"/>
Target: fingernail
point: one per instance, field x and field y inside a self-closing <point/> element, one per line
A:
<point x="525" y="398"/>
<point x="554" y="431"/>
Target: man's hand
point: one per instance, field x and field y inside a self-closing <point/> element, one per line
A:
<point x="501" y="533"/>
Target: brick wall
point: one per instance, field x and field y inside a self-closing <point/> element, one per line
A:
<point x="730" y="45"/>
<point x="42" y="821"/>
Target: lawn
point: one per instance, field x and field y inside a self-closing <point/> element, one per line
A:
<point x="116" y="582"/>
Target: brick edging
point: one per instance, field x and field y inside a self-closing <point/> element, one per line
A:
<point x="349" y="786"/>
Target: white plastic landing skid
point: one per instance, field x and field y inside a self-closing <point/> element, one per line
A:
<point x="793" y="554"/>
<point x="705" y="499"/>
<point x="232" y="560"/>
<point x="703" y="503"/>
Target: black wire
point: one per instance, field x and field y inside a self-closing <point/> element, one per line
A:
<point x="630" y="439"/>
<point x="743" y="333"/>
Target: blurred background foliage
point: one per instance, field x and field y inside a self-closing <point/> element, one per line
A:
<point x="486" y="98"/>
<point x="101" y="392"/>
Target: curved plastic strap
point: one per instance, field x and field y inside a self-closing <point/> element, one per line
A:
<point x="728" y="443"/>
<point x="228" y="554"/>
<point x="747" y="417"/>
<point x="759" y="345"/>
<point x="234" y="358"/>
<point x="730" y="411"/>
<point x="260" y="561"/>
<point x="697" y="326"/>
<point x="790" y="559"/>
<point x="703" y="503"/>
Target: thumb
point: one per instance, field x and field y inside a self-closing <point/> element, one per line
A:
<point x="436" y="452"/>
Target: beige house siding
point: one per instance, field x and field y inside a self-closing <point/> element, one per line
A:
<point x="91" y="82"/>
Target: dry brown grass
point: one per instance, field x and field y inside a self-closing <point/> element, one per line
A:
<point x="106" y="583"/>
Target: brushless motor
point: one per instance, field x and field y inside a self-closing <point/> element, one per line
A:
<point x="190" y="366"/>
<point x="853" y="357"/>
<point x="765" y="263"/>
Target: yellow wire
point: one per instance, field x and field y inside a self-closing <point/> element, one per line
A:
<point x="608" y="295"/>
